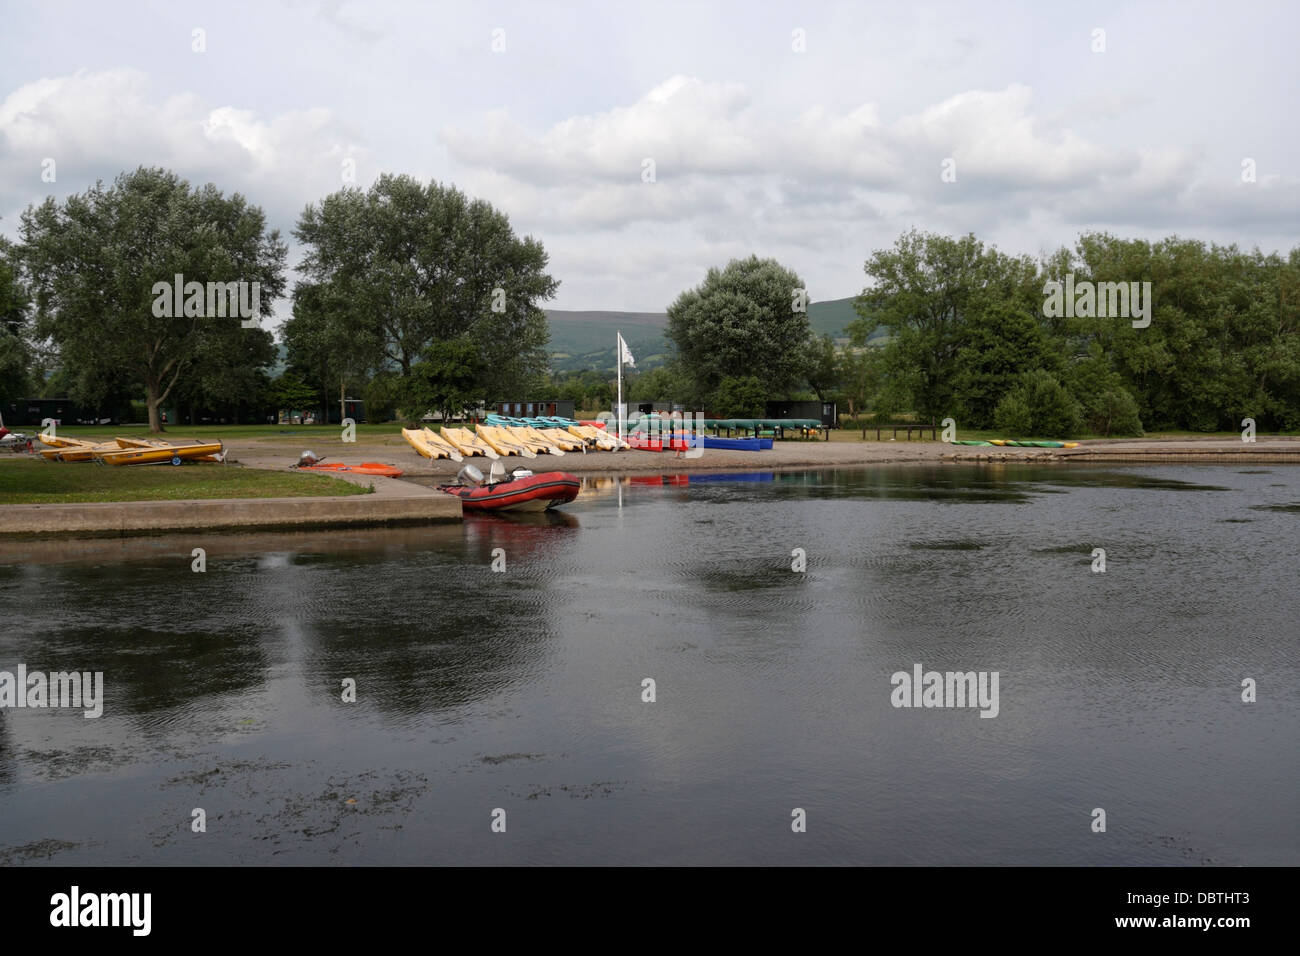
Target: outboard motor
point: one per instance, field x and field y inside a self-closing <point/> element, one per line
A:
<point x="469" y="475"/>
<point x="306" y="458"/>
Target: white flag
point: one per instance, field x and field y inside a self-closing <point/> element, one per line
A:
<point x="625" y="353"/>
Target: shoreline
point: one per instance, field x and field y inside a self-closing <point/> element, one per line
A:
<point x="278" y="454"/>
<point x="410" y="500"/>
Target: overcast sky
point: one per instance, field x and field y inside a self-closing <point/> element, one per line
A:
<point x="814" y="157"/>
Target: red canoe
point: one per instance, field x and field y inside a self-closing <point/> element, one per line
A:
<point x="365" y="468"/>
<point x="528" y="493"/>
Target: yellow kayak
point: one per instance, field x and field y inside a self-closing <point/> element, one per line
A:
<point x="467" y="443"/>
<point x="85" y="452"/>
<point x="55" y="442"/>
<point x="527" y="435"/>
<point x="437" y="441"/>
<point x="425" y="448"/>
<point x="501" y="443"/>
<point x="598" y="436"/>
<point x="161" y="453"/>
<point x="562" y="439"/>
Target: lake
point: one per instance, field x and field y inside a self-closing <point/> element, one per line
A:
<point x="775" y="704"/>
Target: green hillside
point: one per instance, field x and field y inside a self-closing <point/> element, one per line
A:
<point x="581" y="340"/>
<point x="586" y="339"/>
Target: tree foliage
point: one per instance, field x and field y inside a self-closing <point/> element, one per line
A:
<point x="1038" y="404"/>
<point x="741" y="322"/>
<point x="394" y="269"/>
<point x="15" y="350"/>
<point x="740" y="396"/>
<point x="445" y="380"/>
<point x="967" y="323"/>
<point x="95" y="259"/>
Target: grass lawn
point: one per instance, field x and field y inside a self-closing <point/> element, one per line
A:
<point x="34" y="481"/>
<point x="226" y="432"/>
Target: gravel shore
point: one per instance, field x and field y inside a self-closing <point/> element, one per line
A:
<point x="280" y="453"/>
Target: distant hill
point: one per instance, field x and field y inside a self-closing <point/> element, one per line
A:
<point x="582" y="340"/>
<point x="586" y="339"/>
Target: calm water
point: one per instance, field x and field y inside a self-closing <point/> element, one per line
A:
<point x="522" y="690"/>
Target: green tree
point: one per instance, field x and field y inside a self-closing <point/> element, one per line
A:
<point x="229" y="376"/>
<point x="663" y="384"/>
<point x="924" y="291"/>
<point x="1000" y="342"/>
<point x="96" y="258"/>
<point x="741" y="321"/>
<point x="289" y="392"/>
<point x="409" y="265"/>
<point x="825" y="370"/>
<point x="446" y="380"/>
<point x="15" y="352"/>
<point x="742" y="396"/>
<point x="861" y="373"/>
<point x="1038" y="405"/>
<point x="327" y="339"/>
<point x="1107" y="407"/>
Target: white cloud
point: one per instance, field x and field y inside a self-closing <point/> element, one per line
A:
<point x="98" y="124"/>
<point x="816" y="158"/>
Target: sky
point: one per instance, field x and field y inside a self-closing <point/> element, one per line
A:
<point x="811" y="132"/>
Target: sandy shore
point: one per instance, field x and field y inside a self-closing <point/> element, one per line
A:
<point x="279" y="453"/>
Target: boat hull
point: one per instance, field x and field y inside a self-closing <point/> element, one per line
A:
<point x="164" y="453"/>
<point x="733" y="444"/>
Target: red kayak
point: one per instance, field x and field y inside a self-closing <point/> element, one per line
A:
<point x="365" y="468"/>
<point x="525" y="493"/>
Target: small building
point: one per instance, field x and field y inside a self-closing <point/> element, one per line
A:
<point x="355" y="407"/>
<point x="648" y="408"/>
<point x="824" y="412"/>
<point x="556" y="408"/>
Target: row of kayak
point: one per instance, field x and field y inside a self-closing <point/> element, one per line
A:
<point x="499" y="441"/>
<point x="1008" y="443"/>
<point x="129" y="451"/>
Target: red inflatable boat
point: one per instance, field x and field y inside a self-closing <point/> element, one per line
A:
<point x="523" y="493"/>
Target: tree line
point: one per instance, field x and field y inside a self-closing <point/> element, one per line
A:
<point x="412" y="293"/>
<point x="949" y="327"/>
<point x="416" y="297"/>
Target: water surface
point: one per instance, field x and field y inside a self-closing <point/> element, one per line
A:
<point x="522" y="689"/>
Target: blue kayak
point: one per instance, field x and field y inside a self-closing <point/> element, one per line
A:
<point x="733" y="444"/>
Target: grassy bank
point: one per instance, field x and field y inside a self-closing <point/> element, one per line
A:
<point x="33" y="481"/>
<point x="245" y="432"/>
